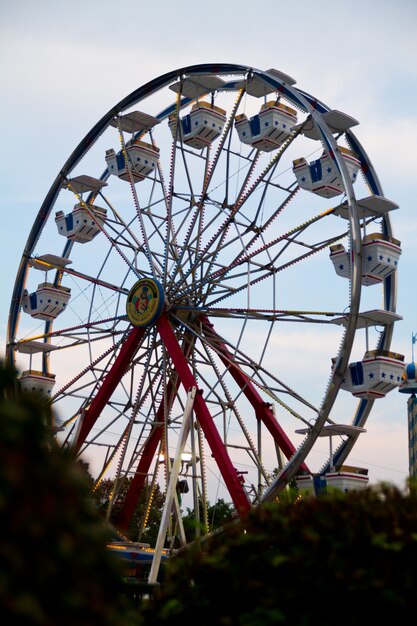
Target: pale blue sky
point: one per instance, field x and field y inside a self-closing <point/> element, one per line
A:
<point x="63" y="65"/>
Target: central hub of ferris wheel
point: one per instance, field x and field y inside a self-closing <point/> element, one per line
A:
<point x="145" y="302"/>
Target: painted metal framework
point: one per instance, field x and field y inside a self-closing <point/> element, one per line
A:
<point x="208" y="225"/>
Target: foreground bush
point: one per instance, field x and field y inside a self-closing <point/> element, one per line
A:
<point x="346" y="560"/>
<point x="339" y="560"/>
<point x="55" y="569"/>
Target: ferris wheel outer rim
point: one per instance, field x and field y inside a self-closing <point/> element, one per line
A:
<point x="327" y="136"/>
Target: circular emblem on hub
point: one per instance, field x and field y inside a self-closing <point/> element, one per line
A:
<point x="145" y="302"/>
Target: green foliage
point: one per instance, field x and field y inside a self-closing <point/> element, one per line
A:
<point x="135" y="532"/>
<point x="218" y="515"/>
<point x="345" y="559"/>
<point x="55" y="568"/>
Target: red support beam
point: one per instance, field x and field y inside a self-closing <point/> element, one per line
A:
<point x="148" y="453"/>
<point x="139" y="478"/>
<point x="110" y="382"/>
<point x="218" y="449"/>
<point x="142" y="470"/>
<point x="263" y="410"/>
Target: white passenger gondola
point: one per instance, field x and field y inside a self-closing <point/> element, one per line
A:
<point x="378" y="373"/>
<point x="380" y="257"/>
<point x="47" y="302"/>
<point x="269" y="129"/>
<point x="200" y="127"/>
<point x="345" y="478"/>
<point x="82" y="224"/>
<point x="305" y="484"/>
<point x="322" y="176"/>
<point x="34" y="381"/>
<point x="143" y="161"/>
<point x="340" y="257"/>
<point x="342" y="478"/>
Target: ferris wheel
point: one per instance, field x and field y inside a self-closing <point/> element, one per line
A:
<point x="202" y="281"/>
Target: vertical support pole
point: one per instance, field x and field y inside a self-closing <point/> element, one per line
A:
<point x="195" y="490"/>
<point x="259" y="432"/>
<point x="178" y="516"/>
<point x="171" y="491"/>
<point x="331" y="460"/>
<point x="278" y="450"/>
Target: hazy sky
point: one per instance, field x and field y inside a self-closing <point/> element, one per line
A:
<point x="64" y="65"/>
